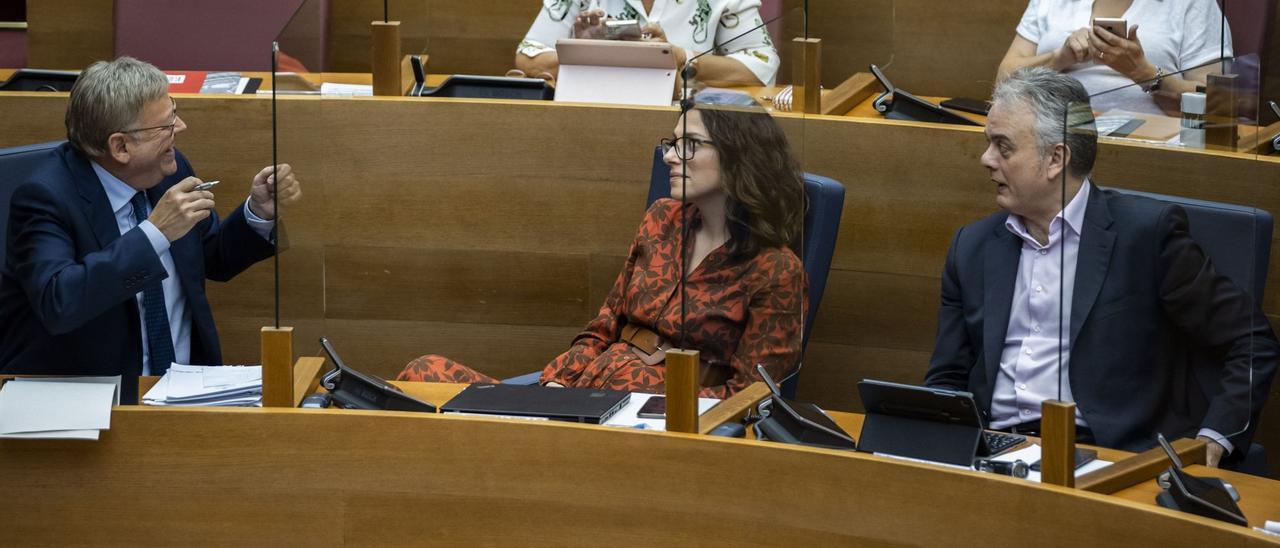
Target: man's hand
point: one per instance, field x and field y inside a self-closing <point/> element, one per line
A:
<point x="1075" y="50"/>
<point x="1212" y="451"/>
<point x="264" y="187"/>
<point x="181" y="207"/>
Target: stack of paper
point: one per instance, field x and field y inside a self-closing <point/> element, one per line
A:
<point x="224" y="385"/>
<point x="72" y="408"/>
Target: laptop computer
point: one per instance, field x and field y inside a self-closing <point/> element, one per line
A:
<point x="587" y="405"/>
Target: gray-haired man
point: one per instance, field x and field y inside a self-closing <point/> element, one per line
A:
<point x="110" y="241"/>
<point x="1152" y="339"/>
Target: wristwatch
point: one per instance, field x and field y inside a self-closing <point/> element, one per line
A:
<point x="1154" y="83"/>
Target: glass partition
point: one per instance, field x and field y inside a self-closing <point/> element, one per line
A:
<point x="1165" y="291"/>
<point x="301" y="148"/>
<point x="854" y="34"/>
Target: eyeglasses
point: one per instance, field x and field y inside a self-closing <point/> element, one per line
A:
<point x="173" y="122"/>
<point x="685" y="147"/>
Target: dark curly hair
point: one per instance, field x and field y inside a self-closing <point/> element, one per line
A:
<point x="760" y="176"/>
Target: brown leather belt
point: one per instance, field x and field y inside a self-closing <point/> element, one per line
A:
<point x="647" y="341"/>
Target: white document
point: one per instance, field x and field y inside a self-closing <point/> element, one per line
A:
<point x="225" y="385"/>
<point x="627" y="416"/>
<point x="114" y="380"/>
<point x="34" y="406"/>
<point x="1031" y="454"/>
<point x="353" y="90"/>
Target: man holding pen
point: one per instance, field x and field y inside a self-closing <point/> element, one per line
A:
<point x="110" y="241"/>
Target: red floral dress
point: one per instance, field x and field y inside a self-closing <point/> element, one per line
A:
<point x="739" y="313"/>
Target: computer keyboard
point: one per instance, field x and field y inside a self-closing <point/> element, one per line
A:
<point x="999" y="442"/>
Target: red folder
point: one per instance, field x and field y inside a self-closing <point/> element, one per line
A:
<point x="185" y="81"/>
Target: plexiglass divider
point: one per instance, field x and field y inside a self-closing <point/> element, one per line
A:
<point x="1165" y="288"/>
<point x="299" y="149"/>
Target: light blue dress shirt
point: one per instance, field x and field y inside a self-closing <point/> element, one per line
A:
<point x="1029" y="361"/>
<point x="119" y="195"/>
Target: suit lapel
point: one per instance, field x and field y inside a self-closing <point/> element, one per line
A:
<point x="96" y="206"/>
<point x="1093" y="260"/>
<point x="1000" y="270"/>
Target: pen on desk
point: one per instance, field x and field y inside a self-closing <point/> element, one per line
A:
<point x="1017" y="468"/>
<point x="206" y="185"/>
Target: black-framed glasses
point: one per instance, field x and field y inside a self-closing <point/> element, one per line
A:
<point x="173" y="122"/>
<point x="685" y="147"/>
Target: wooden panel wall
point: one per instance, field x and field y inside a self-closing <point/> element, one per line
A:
<point x="69" y="34"/>
<point x="489" y="232"/>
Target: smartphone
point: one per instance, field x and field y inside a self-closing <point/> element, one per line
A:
<point x="1114" y="25"/>
<point x="622" y="29"/>
<point x="206" y="185"/>
<point x="1083" y="457"/>
<point x="965" y="104"/>
<point x="654" y="408"/>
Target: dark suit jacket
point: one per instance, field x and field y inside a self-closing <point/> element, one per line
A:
<point x="69" y="277"/>
<point x="1159" y="341"/>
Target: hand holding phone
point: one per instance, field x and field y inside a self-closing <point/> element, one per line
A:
<point x="622" y="29"/>
<point x="1114" y="25"/>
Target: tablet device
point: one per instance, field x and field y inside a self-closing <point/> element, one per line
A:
<point x="615" y="71"/>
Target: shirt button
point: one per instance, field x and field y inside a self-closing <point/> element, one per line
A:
<point x="1022" y="387"/>
<point x="1044" y="251"/>
<point x="1036" y="329"/>
<point x="1026" y="351"/>
<point x="1039" y="289"/>
<point x="1026" y="411"/>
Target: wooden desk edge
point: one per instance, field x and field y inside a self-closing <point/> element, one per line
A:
<point x="1141" y="467"/>
<point x="734" y="408"/>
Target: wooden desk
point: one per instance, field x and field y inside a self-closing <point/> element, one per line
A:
<point x="333" y="477"/>
<point x="478" y="229"/>
<point x="1259" y="497"/>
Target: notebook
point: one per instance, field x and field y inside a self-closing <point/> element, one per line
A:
<point x="562" y="404"/>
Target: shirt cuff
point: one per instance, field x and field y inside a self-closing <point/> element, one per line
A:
<point x="1215" y="436"/>
<point x="158" y="242"/>
<point x="260" y="226"/>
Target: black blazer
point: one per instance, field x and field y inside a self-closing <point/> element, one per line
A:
<point x="69" y="277"/>
<point x="1159" y="341"/>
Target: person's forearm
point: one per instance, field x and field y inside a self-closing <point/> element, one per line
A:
<point x="718" y="70"/>
<point x="535" y="67"/>
<point x="1010" y="64"/>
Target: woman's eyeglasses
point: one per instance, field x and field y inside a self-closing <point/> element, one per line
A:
<point x="173" y="122"/>
<point x="685" y="147"/>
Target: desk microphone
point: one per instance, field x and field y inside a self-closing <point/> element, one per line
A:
<point x="1017" y="468"/>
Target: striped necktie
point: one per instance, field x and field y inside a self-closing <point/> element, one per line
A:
<point x="159" y="339"/>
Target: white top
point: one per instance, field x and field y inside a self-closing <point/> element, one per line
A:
<point x="1176" y="35"/>
<point x="696" y="26"/>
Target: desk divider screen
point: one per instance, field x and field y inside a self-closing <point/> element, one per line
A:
<point x="1185" y="344"/>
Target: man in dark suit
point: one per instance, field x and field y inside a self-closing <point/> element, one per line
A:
<point x="110" y="241"/>
<point x="1152" y="338"/>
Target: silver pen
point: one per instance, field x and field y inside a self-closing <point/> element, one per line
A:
<point x="206" y="185"/>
